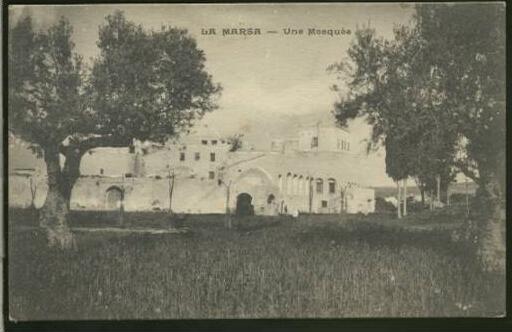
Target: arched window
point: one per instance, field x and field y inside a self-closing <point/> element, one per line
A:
<point x="288" y="184"/>
<point x="295" y="184"/>
<point x="271" y="198"/>
<point x="301" y="185"/>
<point x="332" y="186"/>
<point x="280" y="182"/>
<point x="319" y="186"/>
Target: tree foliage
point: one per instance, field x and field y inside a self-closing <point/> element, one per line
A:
<point x="45" y="84"/>
<point x="148" y="85"/>
<point x="435" y="97"/>
<point x="435" y="83"/>
<point x="235" y="142"/>
<point x="468" y="49"/>
<point x="145" y="85"/>
<point x="393" y="87"/>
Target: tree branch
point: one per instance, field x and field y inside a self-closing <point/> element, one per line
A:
<point x="81" y="146"/>
<point x="104" y="141"/>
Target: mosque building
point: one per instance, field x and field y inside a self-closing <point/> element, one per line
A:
<point x="314" y="172"/>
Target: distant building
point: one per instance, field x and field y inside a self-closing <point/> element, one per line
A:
<point x="321" y="138"/>
<point x="315" y="138"/>
<point x="307" y="182"/>
<point x="199" y="154"/>
<point x="314" y="172"/>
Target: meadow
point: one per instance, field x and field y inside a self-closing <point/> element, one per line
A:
<point x="313" y="266"/>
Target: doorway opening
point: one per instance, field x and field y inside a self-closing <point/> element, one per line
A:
<point x="244" y="205"/>
<point x="114" y="198"/>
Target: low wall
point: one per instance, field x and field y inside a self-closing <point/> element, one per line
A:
<point x="190" y="195"/>
<point x="141" y="194"/>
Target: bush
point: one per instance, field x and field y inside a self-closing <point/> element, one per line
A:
<point x="382" y="206"/>
<point x="414" y="206"/>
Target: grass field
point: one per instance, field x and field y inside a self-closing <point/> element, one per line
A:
<point x="266" y="268"/>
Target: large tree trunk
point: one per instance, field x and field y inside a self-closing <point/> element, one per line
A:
<point x="54" y="213"/>
<point x="492" y="225"/>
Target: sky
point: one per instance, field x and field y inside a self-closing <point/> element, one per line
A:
<point x="264" y="77"/>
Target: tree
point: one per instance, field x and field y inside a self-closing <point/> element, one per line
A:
<point x="390" y="85"/>
<point x="235" y="142"/>
<point x="45" y="104"/>
<point x="146" y="85"/>
<point x="435" y="83"/>
<point x="466" y="43"/>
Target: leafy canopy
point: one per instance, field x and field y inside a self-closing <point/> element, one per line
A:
<point x="147" y="85"/>
<point x="45" y="83"/>
<point x="438" y="82"/>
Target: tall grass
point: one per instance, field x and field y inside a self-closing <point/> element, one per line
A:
<point x="264" y="269"/>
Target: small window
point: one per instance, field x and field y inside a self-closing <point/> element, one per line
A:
<point x="197" y="156"/>
<point x="204" y="142"/>
<point x="324" y="204"/>
<point x="214" y="142"/>
<point x="102" y="171"/>
<point x="212" y="156"/>
<point x="182" y="156"/>
<point x="319" y="186"/>
<point x="314" y="142"/>
<point x="332" y="186"/>
<point x="211" y="175"/>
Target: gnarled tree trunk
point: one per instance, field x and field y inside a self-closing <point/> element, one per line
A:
<point x="491" y="239"/>
<point x="54" y="213"/>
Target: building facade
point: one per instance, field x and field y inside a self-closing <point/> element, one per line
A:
<point x="316" y="172"/>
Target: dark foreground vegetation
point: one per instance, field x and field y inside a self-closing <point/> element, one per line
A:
<point x="313" y="266"/>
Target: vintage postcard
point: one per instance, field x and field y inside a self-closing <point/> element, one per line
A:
<point x="205" y="161"/>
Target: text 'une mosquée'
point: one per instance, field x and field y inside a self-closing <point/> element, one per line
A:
<point x="284" y="31"/>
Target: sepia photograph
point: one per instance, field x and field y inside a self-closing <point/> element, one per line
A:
<point x="255" y="161"/>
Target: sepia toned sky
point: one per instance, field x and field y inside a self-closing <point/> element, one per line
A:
<point x="264" y="77"/>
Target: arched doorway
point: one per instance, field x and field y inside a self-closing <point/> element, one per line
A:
<point x="244" y="205"/>
<point x="114" y="198"/>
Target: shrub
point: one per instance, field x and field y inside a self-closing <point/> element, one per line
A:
<point x="381" y="205"/>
